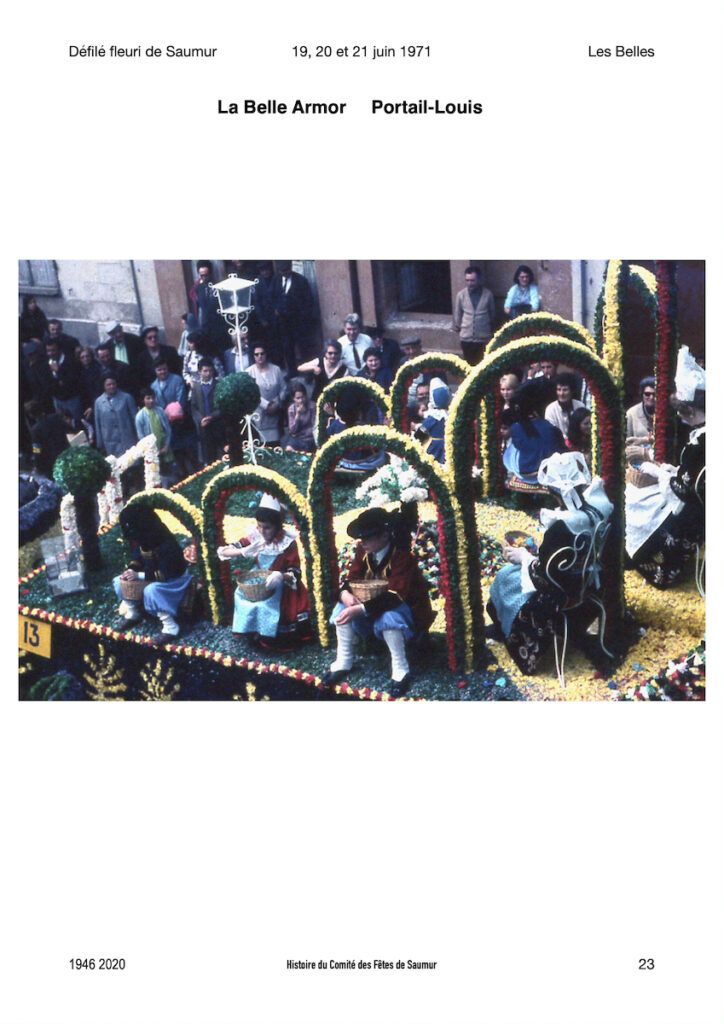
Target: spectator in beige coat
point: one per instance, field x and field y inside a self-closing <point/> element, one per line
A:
<point x="474" y="316"/>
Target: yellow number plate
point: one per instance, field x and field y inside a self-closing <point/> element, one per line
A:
<point x="34" y="636"/>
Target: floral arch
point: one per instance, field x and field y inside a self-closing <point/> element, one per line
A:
<point x="214" y="502"/>
<point x="459" y="452"/>
<point x="182" y="510"/>
<point x="453" y="558"/>
<point x="428" y="362"/>
<point x="529" y="325"/>
<point x="368" y="388"/>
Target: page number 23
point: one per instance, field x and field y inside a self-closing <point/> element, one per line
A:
<point x="646" y="965"/>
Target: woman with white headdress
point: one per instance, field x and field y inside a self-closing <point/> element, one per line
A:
<point x="527" y="595"/>
<point x="665" y="521"/>
<point x="432" y="428"/>
<point x="282" y="616"/>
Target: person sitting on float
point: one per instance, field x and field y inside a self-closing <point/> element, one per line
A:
<point x="400" y="614"/>
<point x="157" y="558"/>
<point x="432" y="429"/>
<point x="665" y="521"/>
<point x="532" y="438"/>
<point x="527" y="595"/>
<point x="281" y="618"/>
<point x="355" y="410"/>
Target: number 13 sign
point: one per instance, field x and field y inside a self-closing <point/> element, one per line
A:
<point x="34" y="636"/>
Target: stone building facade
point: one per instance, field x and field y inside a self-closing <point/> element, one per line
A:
<point x="404" y="297"/>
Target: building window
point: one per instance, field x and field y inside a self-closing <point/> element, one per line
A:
<point x="423" y="286"/>
<point x="38" y="277"/>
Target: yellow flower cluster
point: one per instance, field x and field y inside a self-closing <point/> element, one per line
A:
<point x="550" y="321"/>
<point x="612" y="353"/>
<point x="644" y="277"/>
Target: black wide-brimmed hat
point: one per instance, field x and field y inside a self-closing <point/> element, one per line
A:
<point x="371" y="522"/>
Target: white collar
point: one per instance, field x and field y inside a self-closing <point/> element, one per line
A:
<point x="379" y="556"/>
<point x="258" y="546"/>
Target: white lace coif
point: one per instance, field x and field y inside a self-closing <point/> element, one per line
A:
<point x="564" y="472"/>
<point x="690" y="377"/>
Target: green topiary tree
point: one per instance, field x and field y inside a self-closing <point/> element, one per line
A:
<point x="236" y="397"/>
<point x="83" y="472"/>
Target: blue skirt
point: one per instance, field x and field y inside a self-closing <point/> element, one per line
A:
<point x="507" y="596"/>
<point x="164" y="597"/>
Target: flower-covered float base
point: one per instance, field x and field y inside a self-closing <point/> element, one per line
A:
<point x="90" y="661"/>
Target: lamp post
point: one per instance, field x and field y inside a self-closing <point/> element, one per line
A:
<point x="234" y="296"/>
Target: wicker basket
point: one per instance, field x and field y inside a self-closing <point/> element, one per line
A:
<point x="132" y="590"/>
<point x="251" y="585"/>
<point x="365" y="590"/>
<point x="639" y="479"/>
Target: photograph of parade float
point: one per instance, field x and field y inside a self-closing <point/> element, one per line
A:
<point x="362" y="480"/>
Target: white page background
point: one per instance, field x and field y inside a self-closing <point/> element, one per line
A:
<point x="535" y="851"/>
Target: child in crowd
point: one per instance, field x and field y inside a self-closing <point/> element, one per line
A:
<point x="299" y="436"/>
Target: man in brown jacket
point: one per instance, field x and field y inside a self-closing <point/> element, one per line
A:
<point x="474" y="316"/>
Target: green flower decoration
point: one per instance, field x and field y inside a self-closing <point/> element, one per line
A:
<point x="237" y="395"/>
<point x="82" y="471"/>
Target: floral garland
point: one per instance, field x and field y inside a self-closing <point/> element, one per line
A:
<point x="213" y="507"/>
<point x="529" y="325"/>
<point x="110" y="499"/>
<point x="643" y="283"/>
<point x="428" y="362"/>
<point x="665" y="358"/>
<point x="683" y="679"/>
<point x="614" y="295"/>
<point x="368" y="389"/>
<point x="202" y="472"/>
<point x="69" y="523"/>
<point x="261" y="668"/>
<point x="463" y="412"/>
<point x="455" y="583"/>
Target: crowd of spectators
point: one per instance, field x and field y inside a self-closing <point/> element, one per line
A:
<point x="129" y="386"/>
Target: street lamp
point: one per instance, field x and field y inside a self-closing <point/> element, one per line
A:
<point x="234" y="296"/>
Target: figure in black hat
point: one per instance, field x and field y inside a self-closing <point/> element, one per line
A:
<point x="401" y="613"/>
<point x="156" y="558"/>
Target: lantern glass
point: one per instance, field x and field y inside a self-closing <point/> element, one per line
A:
<point x="234" y="296"/>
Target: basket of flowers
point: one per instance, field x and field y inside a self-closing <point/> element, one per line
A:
<point x="366" y="590"/>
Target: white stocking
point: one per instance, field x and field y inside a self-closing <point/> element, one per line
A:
<point x="345" y="649"/>
<point x="170" y="625"/>
<point x="396" y="645"/>
<point x="130" y="610"/>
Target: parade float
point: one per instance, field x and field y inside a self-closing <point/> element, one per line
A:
<point x="459" y="516"/>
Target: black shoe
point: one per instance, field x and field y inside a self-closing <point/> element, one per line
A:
<point x="330" y="678"/>
<point x="122" y="624"/>
<point x="168" y="638"/>
<point x="399" y="689"/>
